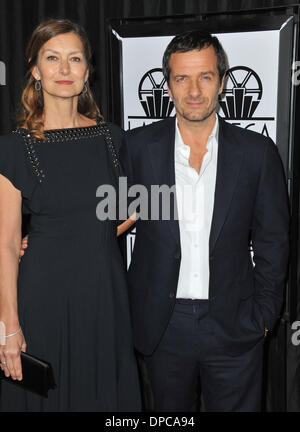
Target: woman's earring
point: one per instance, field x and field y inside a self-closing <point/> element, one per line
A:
<point x="38" y="85"/>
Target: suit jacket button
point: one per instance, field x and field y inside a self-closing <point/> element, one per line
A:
<point x="177" y="255"/>
<point x="172" y="295"/>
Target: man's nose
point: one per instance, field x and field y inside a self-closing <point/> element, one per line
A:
<point x="195" y="89"/>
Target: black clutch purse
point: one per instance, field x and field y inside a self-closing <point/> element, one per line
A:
<point x="37" y="375"/>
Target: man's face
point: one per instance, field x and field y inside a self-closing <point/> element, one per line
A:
<point x="194" y="83"/>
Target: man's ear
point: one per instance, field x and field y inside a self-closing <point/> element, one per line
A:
<point x="36" y="73"/>
<point x="169" y="92"/>
<point x="221" y="85"/>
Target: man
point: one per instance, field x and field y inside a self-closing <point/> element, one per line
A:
<point x="200" y="308"/>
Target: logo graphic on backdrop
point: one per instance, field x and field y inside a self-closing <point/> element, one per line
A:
<point x="153" y="96"/>
<point x="241" y="94"/>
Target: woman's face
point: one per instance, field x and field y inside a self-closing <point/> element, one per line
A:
<point x="61" y="66"/>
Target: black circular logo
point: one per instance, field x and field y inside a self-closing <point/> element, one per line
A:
<point x="153" y="94"/>
<point x="242" y="94"/>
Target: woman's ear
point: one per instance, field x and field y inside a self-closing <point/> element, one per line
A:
<point x="87" y="74"/>
<point x="36" y="73"/>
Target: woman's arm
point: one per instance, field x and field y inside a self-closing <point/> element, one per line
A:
<point x="10" y="238"/>
<point x="126" y="225"/>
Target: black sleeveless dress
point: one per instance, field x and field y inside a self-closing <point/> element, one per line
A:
<point x="72" y="292"/>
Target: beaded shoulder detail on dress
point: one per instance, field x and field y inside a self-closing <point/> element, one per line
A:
<point x="56" y="135"/>
<point x="60" y="135"/>
<point x="75" y="133"/>
<point x="29" y="141"/>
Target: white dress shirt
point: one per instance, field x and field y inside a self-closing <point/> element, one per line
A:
<point x="195" y="200"/>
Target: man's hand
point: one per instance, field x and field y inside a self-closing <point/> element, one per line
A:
<point x="24" y="245"/>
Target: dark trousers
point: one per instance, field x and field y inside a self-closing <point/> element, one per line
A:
<point x="188" y="358"/>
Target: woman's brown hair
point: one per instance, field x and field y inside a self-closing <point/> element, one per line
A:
<point x="30" y="114"/>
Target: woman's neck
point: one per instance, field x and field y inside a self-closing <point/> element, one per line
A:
<point x="60" y="113"/>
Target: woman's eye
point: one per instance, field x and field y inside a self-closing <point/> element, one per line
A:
<point x="51" y="58"/>
<point x="76" y="59"/>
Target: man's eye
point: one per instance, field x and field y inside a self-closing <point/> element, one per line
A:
<point x="180" y="79"/>
<point x="207" y="77"/>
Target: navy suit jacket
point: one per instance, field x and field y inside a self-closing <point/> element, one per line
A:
<point x="251" y="203"/>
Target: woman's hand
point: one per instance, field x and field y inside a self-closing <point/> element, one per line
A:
<point x="24" y="245"/>
<point x="126" y="225"/>
<point x="10" y="355"/>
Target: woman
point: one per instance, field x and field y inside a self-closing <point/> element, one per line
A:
<point x="67" y="301"/>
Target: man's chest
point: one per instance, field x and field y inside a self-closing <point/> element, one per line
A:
<point x="196" y="158"/>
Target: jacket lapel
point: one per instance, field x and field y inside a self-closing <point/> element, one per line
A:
<point x="161" y="150"/>
<point x="228" y="168"/>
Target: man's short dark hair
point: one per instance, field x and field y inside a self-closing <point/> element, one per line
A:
<point x="194" y="40"/>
